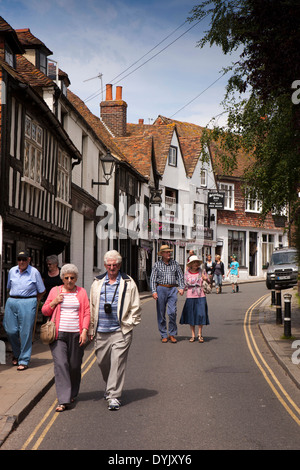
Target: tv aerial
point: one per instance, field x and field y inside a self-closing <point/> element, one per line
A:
<point x="100" y="75"/>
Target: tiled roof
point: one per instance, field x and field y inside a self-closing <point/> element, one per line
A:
<point x="5" y="28"/>
<point x="220" y="164"/>
<point x="190" y="142"/>
<point x="32" y="75"/>
<point x="29" y="41"/>
<point x="138" y="152"/>
<point x="189" y="136"/>
<point x="161" y="135"/>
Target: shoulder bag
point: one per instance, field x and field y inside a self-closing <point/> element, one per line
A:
<point x="48" y="330"/>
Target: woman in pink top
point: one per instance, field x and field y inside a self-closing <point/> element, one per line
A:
<point x="72" y="319"/>
<point x="195" y="308"/>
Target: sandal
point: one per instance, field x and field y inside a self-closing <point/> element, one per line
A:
<point x="192" y="339"/>
<point x="201" y="339"/>
<point x="14" y="361"/>
<point x="22" y="367"/>
<point x="60" y="408"/>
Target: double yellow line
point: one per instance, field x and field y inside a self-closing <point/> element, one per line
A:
<point x="267" y="372"/>
<point x="90" y="361"/>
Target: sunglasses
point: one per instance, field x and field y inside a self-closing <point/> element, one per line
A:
<point x="70" y="278"/>
<point x="22" y="259"/>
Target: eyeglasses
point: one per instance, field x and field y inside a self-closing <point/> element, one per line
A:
<point x="111" y="265"/>
<point x="70" y="277"/>
<point x="22" y="259"/>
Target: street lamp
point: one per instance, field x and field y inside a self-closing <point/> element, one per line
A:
<point x="108" y="164"/>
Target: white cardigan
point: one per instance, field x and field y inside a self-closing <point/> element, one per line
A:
<point x="129" y="310"/>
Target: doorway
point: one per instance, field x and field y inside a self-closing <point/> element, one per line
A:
<point x="253" y="253"/>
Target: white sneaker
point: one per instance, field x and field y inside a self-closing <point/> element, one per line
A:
<point x="113" y="404"/>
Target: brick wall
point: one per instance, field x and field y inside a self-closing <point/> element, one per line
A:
<point x="239" y="217"/>
<point x="114" y="115"/>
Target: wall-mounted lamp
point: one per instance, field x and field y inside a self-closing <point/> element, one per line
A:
<point x="108" y="163"/>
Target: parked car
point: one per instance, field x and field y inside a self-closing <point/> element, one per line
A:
<point x="283" y="268"/>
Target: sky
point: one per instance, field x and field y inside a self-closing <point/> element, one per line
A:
<point x="93" y="37"/>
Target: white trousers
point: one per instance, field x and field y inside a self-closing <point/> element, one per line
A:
<point x="112" y="351"/>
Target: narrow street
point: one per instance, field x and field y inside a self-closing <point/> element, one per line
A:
<point x="184" y="396"/>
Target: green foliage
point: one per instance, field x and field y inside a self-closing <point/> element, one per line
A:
<point x="265" y="123"/>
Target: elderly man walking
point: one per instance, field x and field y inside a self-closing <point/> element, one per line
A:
<point x="26" y="288"/>
<point x="115" y="311"/>
<point x="166" y="277"/>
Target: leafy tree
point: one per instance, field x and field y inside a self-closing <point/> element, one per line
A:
<point x="263" y="120"/>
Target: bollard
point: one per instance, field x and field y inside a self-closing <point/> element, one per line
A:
<point x="278" y="307"/>
<point x="287" y="315"/>
<point x="273" y="297"/>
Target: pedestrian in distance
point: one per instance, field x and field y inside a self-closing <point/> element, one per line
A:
<point x="26" y="288"/>
<point x="70" y="305"/>
<point x="234" y="274"/>
<point x="209" y="268"/>
<point x="218" y="273"/>
<point x="51" y="277"/>
<point x="115" y="311"/>
<point x="166" y="277"/>
<point x="195" y="311"/>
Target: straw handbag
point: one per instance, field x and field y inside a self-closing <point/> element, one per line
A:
<point x="48" y="330"/>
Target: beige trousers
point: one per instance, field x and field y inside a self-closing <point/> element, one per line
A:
<point x="112" y="351"/>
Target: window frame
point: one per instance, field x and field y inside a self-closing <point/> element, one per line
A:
<point x="229" y="202"/>
<point x="172" y="157"/>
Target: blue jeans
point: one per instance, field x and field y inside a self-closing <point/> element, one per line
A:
<point x="167" y="299"/>
<point x="18" y="322"/>
<point x="218" y="279"/>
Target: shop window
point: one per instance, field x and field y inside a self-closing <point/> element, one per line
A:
<point x="237" y="246"/>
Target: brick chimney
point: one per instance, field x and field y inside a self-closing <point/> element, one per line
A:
<point x="114" y="112"/>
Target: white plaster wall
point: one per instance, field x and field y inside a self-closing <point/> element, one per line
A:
<point x="76" y="244"/>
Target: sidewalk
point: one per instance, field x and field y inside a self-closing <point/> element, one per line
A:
<point x="273" y="334"/>
<point x="20" y="391"/>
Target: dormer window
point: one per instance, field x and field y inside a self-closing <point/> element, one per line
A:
<point x="10" y="56"/>
<point x="41" y="61"/>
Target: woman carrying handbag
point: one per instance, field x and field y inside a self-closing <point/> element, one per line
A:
<point x="72" y="310"/>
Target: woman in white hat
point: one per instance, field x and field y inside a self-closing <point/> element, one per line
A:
<point x="195" y="310"/>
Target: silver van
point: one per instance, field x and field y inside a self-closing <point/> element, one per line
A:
<point x="283" y="268"/>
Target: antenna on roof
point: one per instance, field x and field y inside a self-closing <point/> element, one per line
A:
<point x="100" y="75"/>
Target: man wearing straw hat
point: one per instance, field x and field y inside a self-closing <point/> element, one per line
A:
<point x="166" y="276"/>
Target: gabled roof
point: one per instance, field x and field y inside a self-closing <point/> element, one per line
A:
<point x="190" y="142"/>
<point x="6" y="29"/>
<point x="29" y="41"/>
<point x="189" y="136"/>
<point x="162" y="137"/>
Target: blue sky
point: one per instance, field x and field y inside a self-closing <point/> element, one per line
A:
<point x="107" y="36"/>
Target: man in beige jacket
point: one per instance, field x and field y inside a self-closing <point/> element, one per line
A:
<point x="115" y="310"/>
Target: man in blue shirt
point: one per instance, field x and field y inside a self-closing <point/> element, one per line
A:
<point x="26" y="288"/>
<point x="165" y="277"/>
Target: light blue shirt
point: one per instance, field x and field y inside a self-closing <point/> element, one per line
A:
<point x="234" y="268"/>
<point x="25" y="284"/>
<point x="109" y="322"/>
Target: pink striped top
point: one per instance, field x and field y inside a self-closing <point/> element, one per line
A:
<point x="69" y="313"/>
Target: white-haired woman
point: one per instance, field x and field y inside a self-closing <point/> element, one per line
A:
<point x="72" y="319"/>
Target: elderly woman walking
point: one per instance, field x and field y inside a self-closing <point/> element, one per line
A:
<point x="72" y="319"/>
